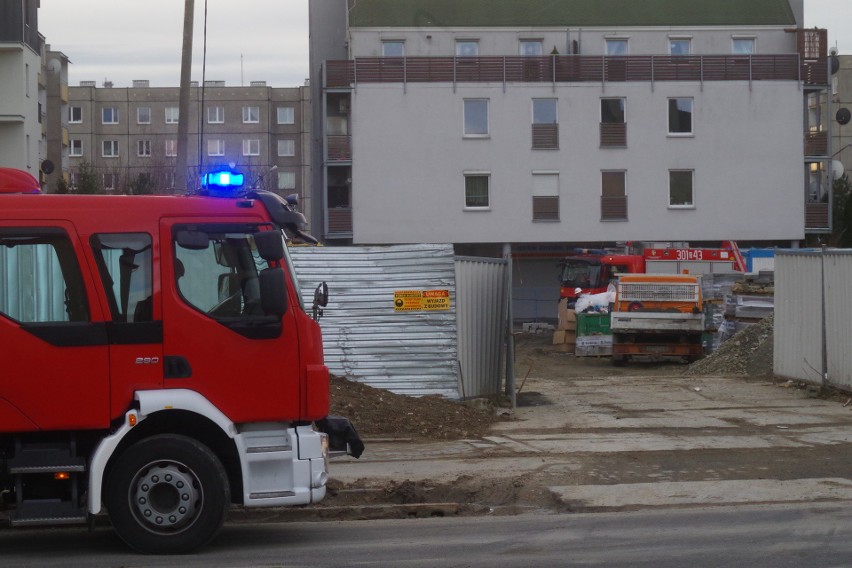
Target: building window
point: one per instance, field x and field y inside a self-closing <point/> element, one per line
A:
<point x="616" y="46"/>
<point x="613" y="123"/>
<point x="613" y="196"/>
<point x="251" y="115"/>
<point x="171" y="148"/>
<point x="286" y="115"/>
<point x="680" y="116"/>
<point x="531" y="47"/>
<point x="109" y="149"/>
<point x="476" y="118"/>
<point x="109" y="181"/>
<point x="215" y="115"/>
<point x="742" y="45"/>
<point x="143" y="148"/>
<point x="143" y="115"/>
<point x="75" y="115"/>
<point x="680" y="46"/>
<point x="286" y="180"/>
<point x="393" y="48"/>
<point x="545" y="196"/>
<point x="215" y="147"/>
<point x="75" y="147"/>
<point x="467" y="48"/>
<point x="286" y="148"/>
<point x="251" y="147"/>
<point x="680" y="189"/>
<point x="476" y="194"/>
<point x="545" y="127"/>
<point x="172" y="115"/>
<point x="109" y="115"/>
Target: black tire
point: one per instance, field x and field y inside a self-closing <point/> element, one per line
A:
<point x="168" y="494"/>
<point x="618" y="360"/>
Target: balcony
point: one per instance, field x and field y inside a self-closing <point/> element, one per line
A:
<point x="339" y="148"/>
<point x="574" y="69"/>
<point x="816" y="217"/>
<point x="339" y="222"/>
<point x="816" y="143"/>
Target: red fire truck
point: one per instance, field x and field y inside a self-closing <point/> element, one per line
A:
<point x="591" y="270"/>
<point x="159" y="364"/>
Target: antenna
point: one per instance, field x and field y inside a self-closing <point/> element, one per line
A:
<point x="242" y="82"/>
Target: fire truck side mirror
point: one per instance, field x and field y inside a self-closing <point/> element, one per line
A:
<point x="273" y="291"/>
<point x="270" y="245"/>
<point x="321" y="295"/>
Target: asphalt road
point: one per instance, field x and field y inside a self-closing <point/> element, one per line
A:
<point x="774" y="536"/>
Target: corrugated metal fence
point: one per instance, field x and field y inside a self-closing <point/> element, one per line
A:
<point x="454" y="353"/>
<point x="813" y="316"/>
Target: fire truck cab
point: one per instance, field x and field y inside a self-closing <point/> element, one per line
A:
<point x="159" y="364"/>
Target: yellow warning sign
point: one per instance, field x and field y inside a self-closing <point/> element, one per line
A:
<point x="420" y="300"/>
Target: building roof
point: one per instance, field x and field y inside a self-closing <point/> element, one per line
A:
<point x="569" y="13"/>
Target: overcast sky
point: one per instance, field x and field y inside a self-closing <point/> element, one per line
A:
<point x="247" y="40"/>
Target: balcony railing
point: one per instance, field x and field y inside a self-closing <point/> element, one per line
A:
<point x="614" y="208"/>
<point x="575" y="68"/>
<point x="545" y="136"/>
<point x="816" y="143"/>
<point x="816" y="216"/>
<point x="339" y="148"/>
<point x="340" y="221"/>
<point x="613" y="134"/>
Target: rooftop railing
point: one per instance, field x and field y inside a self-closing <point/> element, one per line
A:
<point x="575" y="69"/>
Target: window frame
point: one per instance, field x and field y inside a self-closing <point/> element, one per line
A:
<point x="553" y="100"/>
<point x="476" y="135"/>
<point x="619" y="40"/>
<point x="399" y="42"/>
<point x="220" y="147"/>
<point x="114" y="149"/>
<point x="71" y="114"/>
<point x="292" y="113"/>
<point x="167" y="144"/>
<point x="529" y="42"/>
<point x="140" y="118"/>
<point x="247" y="115"/>
<point x="284" y="175"/>
<point x="680" y="39"/>
<point x="113" y="115"/>
<point x="477" y="174"/>
<point x="470" y="42"/>
<point x="71" y="153"/>
<point x="292" y="143"/>
<point x="141" y="146"/>
<point x="247" y="146"/>
<point x="739" y="38"/>
<point x="537" y="191"/>
<point x="623" y="110"/>
<point x="220" y="115"/>
<point x="681" y="134"/>
<point x="172" y="115"/>
<point x="691" y="203"/>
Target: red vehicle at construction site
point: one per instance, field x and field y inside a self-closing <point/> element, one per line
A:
<point x="590" y="271"/>
<point x="159" y="363"/>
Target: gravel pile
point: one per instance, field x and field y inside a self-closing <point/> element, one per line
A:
<point x="749" y="352"/>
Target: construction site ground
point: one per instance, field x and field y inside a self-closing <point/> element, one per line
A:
<point x="587" y="436"/>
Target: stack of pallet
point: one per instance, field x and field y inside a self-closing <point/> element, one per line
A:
<point x="565" y="336"/>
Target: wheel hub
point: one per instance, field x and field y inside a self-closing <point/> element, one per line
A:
<point x="166" y="496"/>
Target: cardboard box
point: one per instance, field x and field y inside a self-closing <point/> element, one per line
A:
<point x="567" y="318"/>
<point x="561" y="336"/>
<point x="566" y="347"/>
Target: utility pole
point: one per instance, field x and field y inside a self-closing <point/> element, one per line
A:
<point x="182" y="180"/>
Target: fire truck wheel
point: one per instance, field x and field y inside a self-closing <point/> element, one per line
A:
<point x="167" y="494"/>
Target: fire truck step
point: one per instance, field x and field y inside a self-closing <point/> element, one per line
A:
<point x="38" y="458"/>
<point x="48" y="512"/>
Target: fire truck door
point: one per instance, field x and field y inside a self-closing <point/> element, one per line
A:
<point x="217" y="339"/>
<point x="125" y="263"/>
<point x="54" y="343"/>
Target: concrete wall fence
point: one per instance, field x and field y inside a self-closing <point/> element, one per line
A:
<point x="813" y="317"/>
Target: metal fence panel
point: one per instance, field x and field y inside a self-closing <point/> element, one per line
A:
<point x="482" y="301"/>
<point x="365" y="339"/>
<point x="838" y="317"/>
<point x="798" y="332"/>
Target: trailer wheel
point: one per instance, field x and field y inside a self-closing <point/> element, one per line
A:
<point x="167" y="494"/>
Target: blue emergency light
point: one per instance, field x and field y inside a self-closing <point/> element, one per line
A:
<point x="222" y="184"/>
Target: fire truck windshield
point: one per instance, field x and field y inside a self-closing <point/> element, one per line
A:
<point x="580" y="274"/>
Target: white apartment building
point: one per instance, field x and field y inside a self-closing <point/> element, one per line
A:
<point x="541" y="125"/>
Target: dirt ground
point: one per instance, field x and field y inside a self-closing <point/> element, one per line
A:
<point x="381" y="415"/>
